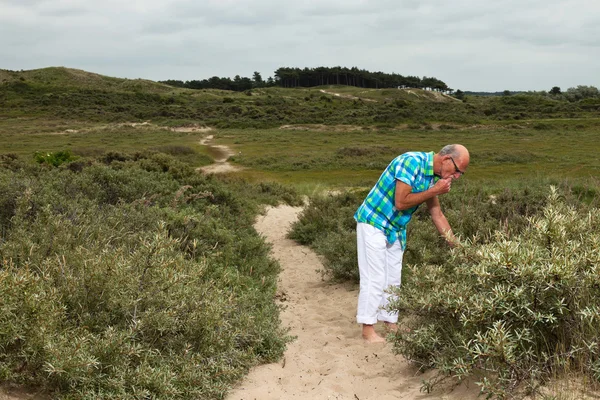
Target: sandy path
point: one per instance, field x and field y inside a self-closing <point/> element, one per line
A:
<point x="328" y="360"/>
<point x="221" y="165"/>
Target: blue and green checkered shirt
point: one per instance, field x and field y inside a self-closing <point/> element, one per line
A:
<point x="413" y="168"/>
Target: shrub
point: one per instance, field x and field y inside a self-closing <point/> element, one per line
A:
<point x="542" y="127"/>
<point x="516" y="310"/>
<point x="327" y="224"/>
<point x="473" y="211"/>
<point x="447" y="127"/>
<point x="175" y="150"/>
<point x="339" y="250"/>
<point x="140" y="279"/>
<point x="54" y="159"/>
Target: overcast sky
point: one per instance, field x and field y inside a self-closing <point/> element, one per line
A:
<point x="477" y="45"/>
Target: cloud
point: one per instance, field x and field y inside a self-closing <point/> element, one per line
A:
<point x="469" y="44"/>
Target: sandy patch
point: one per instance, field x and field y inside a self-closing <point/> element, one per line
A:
<point x="146" y="124"/>
<point x="192" y="129"/>
<point x="8" y="392"/>
<point x="219" y="168"/>
<point x="329" y="359"/>
<point x="446" y="96"/>
<point x="432" y="95"/>
<point x="347" y="96"/>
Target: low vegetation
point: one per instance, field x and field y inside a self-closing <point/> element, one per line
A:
<point x="132" y="276"/>
<point x="474" y="212"/>
<point x="514" y="311"/>
<point x="61" y="93"/>
<point x="342" y="156"/>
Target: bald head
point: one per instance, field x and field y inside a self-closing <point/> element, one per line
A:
<point x="459" y="154"/>
<point x="454" y="150"/>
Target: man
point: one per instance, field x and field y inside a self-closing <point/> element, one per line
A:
<point x="409" y="180"/>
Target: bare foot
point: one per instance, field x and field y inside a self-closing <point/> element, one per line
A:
<point x="370" y="336"/>
<point x="375" y="338"/>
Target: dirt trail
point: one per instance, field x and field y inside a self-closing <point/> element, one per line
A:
<point x="329" y="359"/>
<point x="222" y="154"/>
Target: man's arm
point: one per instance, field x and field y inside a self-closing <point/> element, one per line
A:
<point x="405" y="199"/>
<point x="440" y="221"/>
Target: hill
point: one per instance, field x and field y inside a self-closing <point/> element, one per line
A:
<point x="76" y="78"/>
<point x="59" y="92"/>
<point x="61" y="77"/>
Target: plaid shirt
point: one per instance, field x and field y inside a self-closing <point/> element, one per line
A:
<point x="413" y="168"/>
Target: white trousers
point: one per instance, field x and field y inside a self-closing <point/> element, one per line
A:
<point x="380" y="266"/>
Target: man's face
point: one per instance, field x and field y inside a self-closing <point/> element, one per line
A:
<point x="453" y="168"/>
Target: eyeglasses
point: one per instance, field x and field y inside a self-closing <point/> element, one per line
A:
<point x="455" y="167"/>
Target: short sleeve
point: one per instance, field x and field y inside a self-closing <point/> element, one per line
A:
<point x="407" y="169"/>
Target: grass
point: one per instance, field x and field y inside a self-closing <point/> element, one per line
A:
<point x="356" y="158"/>
<point x="24" y="138"/>
<point x="336" y="158"/>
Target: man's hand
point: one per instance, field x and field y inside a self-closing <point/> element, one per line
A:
<point x="442" y="186"/>
<point x="404" y="198"/>
<point x="451" y="240"/>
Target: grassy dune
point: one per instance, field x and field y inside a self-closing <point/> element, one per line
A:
<point x="75" y="78"/>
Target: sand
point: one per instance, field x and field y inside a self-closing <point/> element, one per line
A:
<point x="329" y="359"/>
<point x="222" y="154"/>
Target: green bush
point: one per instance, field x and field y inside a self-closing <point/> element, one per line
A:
<point x="339" y="250"/>
<point x="175" y="150"/>
<point x="137" y="279"/>
<point x="516" y="310"/>
<point x="328" y="226"/>
<point x="54" y="159"/>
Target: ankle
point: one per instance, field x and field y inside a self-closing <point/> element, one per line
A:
<point x="370" y="335"/>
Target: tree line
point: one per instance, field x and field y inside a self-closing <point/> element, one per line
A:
<point x="309" y="77"/>
<point x="238" y="84"/>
